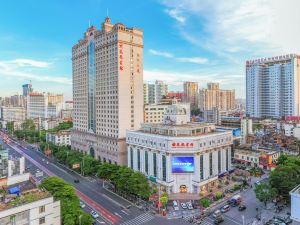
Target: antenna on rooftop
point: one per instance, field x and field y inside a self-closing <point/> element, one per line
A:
<point x="89" y="23"/>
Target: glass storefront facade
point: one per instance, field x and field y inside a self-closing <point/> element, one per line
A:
<point x="91" y="86"/>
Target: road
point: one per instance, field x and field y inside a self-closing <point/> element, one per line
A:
<point x="111" y="208"/>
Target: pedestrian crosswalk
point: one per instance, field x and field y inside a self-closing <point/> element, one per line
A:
<point x="141" y="219"/>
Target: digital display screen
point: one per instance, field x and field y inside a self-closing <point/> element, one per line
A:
<point x="183" y="164"/>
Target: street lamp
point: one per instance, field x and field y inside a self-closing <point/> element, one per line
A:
<point x="80" y="219"/>
<point x="82" y="172"/>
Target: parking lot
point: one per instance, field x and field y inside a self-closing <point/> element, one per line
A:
<point x="255" y="213"/>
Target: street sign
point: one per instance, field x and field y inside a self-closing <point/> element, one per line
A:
<point x="76" y="165"/>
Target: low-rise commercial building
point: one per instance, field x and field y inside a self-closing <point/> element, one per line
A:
<point x="26" y="204"/>
<point x="60" y="138"/>
<point x="154" y="113"/>
<point x="178" y="155"/>
<point x="10" y="114"/>
<point x="252" y="155"/>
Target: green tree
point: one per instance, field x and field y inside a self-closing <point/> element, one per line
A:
<point x="205" y="202"/>
<point x="10" y="127"/>
<point x="164" y="199"/>
<point x="28" y="125"/>
<point x="107" y="171"/>
<point x="284" y="178"/>
<point x="195" y="111"/>
<point x="265" y="193"/>
<point x="282" y="159"/>
<point x="70" y="208"/>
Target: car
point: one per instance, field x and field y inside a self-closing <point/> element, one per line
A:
<point x="217" y="213"/>
<point x="218" y="220"/>
<point x="183" y="205"/>
<point x="288" y="220"/>
<point x="242" y="207"/>
<point x="225" y="208"/>
<point x="47" y="162"/>
<point x="94" y="223"/>
<point x="94" y="214"/>
<point x="175" y="205"/>
<point x="76" y="181"/>
<point x="82" y="205"/>
<point x="258" y="183"/>
<point x="189" y="205"/>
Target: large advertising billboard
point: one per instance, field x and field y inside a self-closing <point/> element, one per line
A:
<point x="183" y="164"/>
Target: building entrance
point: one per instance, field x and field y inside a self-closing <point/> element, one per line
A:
<point x="183" y="189"/>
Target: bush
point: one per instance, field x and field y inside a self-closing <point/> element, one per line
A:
<point x="237" y="187"/>
<point x="205" y="202"/>
<point x="218" y="195"/>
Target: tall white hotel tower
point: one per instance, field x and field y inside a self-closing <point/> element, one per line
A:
<point x="273" y="86"/>
<point x="107" y="90"/>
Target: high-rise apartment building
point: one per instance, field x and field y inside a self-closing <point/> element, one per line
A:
<point x="44" y="105"/>
<point x="272" y="86"/>
<point x="27" y="89"/>
<point x="153" y="93"/>
<point x="149" y="93"/>
<point x="213" y="97"/>
<point x="107" y="90"/>
<point x="191" y="93"/>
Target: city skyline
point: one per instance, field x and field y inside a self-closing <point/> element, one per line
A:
<point x="192" y="44"/>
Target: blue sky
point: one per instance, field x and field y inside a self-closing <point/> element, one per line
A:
<point x="195" y="40"/>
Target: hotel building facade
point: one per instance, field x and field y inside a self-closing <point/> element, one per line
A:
<point x="107" y="90"/>
<point x="272" y="86"/>
<point x="179" y="155"/>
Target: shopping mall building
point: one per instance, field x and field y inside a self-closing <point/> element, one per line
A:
<point x="179" y="155"/>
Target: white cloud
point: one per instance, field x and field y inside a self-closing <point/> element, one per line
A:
<point x="26" y="68"/>
<point x="160" y="53"/>
<point x="197" y="60"/>
<point x="25" y="63"/>
<point x="176" y="14"/>
<point x="235" y="28"/>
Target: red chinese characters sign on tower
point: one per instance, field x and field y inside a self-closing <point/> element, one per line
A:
<point x="121" y="66"/>
<point x="182" y="145"/>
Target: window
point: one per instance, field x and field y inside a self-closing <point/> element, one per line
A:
<point x="201" y="167"/>
<point x="42" y="220"/>
<point x="210" y="164"/>
<point x="139" y="159"/>
<point x="227" y="152"/>
<point x="131" y="158"/>
<point x="164" y="169"/>
<point x="42" y="209"/>
<point x="154" y="165"/>
<point x="146" y="163"/>
<point x="219" y="161"/>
